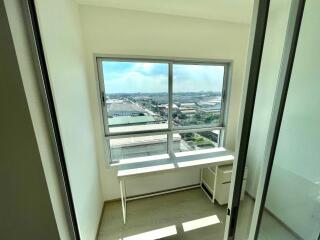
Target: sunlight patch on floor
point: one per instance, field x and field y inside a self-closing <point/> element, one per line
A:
<point x="154" y="234"/>
<point x="200" y="223"/>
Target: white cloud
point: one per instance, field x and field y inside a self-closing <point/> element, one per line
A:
<point x="137" y="82"/>
<point x="145" y="67"/>
<point x="151" y="77"/>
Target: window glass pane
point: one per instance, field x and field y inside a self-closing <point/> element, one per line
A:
<point x="194" y="141"/>
<point x="136" y="95"/>
<point x="197" y="94"/>
<point x="138" y="146"/>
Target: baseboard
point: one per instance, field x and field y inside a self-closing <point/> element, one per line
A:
<point x="162" y="192"/>
<point x="277" y="219"/>
<point x="156" y="193"/>
<point x="100" y="221"/>
<point x="112" y="200"/>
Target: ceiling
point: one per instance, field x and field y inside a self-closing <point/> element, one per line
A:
<point x="225" y="10"/>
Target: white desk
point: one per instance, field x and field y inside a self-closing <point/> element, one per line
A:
<point x="136" y="167"/>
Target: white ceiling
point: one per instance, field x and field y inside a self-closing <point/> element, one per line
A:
<point x="224" y="10"/>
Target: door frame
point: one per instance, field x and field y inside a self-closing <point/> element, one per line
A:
<point x="255" y="50"/>
<point x="32" y="25"/>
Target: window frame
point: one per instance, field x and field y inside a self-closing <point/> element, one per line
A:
<point x="170" y="130"/>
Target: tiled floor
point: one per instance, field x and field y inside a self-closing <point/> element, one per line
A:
<point x="168" y="214"/>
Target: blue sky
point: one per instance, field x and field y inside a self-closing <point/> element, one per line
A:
<point x="133" y="77"/>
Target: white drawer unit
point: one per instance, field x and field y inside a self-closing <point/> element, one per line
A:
<point x="215" y="182"/>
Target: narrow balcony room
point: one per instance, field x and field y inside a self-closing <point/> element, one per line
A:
<point x="156" y="119"/>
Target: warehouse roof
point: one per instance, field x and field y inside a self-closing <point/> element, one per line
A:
<point x="124" y="120"/>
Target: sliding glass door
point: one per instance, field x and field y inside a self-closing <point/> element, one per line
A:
<point x="273" y="50"/>
<point x="282" y="149"/>
<point x="292" y="206"/>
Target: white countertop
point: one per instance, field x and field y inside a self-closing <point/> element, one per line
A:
<point x="160" y="163"/>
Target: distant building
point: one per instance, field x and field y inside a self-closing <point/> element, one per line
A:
<point x="188" y="105"/>
<point x="188" y="112"/>
<point x="174" y="106"/>
<point x="140" y="146"/>
<point x="188" y="108"/>
<point x="165" y="108"/>
<point x="125" y="109"/>
<point x="131" y="120"/>
<point x="210" y="106"/>
<point x="138" y="127"/>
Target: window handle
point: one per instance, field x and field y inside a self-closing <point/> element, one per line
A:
<point x="103" y="99"/>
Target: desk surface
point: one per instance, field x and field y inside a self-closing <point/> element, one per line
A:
<point x="161" y="163"/>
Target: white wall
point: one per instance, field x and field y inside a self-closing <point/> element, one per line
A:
<point x="62" y="40"/>
<point x="126" y="32"/>
<point x="294" y="191"/>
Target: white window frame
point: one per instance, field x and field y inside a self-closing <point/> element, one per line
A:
<point x="227" y="64"/>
